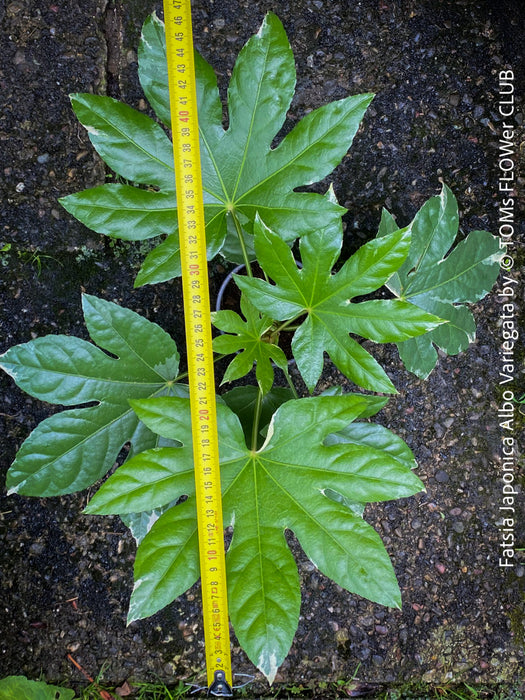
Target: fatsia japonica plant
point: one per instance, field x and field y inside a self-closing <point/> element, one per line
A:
<point x="309" y="464"/>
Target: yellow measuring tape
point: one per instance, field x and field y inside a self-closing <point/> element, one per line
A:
<point x="183" y="103"/>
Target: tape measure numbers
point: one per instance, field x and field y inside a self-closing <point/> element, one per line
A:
<point x="183" y="104"/>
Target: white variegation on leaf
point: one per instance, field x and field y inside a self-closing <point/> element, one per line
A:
<point x="321" y="301"/>
<point x="241" y="172"/>
<point x="441" y="279"/>
<point x="316" y="466"/>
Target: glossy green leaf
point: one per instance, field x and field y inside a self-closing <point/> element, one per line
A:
<point x="152" y="74"/>
<point x="167" y="561"/>
<point x="21" y="688"/>
<point x="441" y="279"/>
<point x="325" y="299"/>
<point x="377" y="437"/>
<point x="162" y="263"/>
<point x="149" y="480"/>
<point x="241" y="172"/>
<point x="302" y="479"/>
<point x="131" y="143"/>
<point x="252" y="339"/>
<point x="140" y="524"/>
<point x="123" y="211"/>
<point x="71" y="450"/>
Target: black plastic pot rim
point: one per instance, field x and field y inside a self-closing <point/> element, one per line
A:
<point x="228" y="279"/>
<point x="222" y="290"/>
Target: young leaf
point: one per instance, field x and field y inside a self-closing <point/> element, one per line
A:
<point x="243" y="401"/>
<point x="251" y="339"/>
<point x="440" y="280"/>
<point x="300" y="479"/>
<point x="241" y="172"/>
<point x="72" y="449"/>
<point x="325" y="299"/>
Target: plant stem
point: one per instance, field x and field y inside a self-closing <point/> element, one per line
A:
<point x="256" y="419"/>
<point x="285" y="326"/>
<point x="184" y="375"/>
<point x="242" y="243"/>
<point x="291" y="385"/>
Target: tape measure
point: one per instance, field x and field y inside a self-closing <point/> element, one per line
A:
<point x="192" y="235"/>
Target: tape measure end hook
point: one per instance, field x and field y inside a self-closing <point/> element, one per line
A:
<point x="220" y="688"/>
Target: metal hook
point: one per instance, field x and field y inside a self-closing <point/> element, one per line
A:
<point x="219" y="687"/>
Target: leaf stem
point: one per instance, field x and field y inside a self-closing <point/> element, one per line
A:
<point x="285" y="326"/>
<point x="184" y="375"/>
<point x="242" y="243"/>
<point x="256" y="419"/>
<point x="291" y="385"/>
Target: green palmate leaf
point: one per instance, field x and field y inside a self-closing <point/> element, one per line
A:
<point x="325" y="300"/>
<point x="241" y="172"/>
<point x="304" y="478"/>
<point x="252" y="339"/>
<point x="440" y="280"/>
<point x="21" y="688"/>
<point x="72" y="449"/>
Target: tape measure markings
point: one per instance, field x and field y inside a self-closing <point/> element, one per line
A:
<point x="192" y="235"/>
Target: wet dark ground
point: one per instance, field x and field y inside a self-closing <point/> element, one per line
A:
<point x="65" y="578"/>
